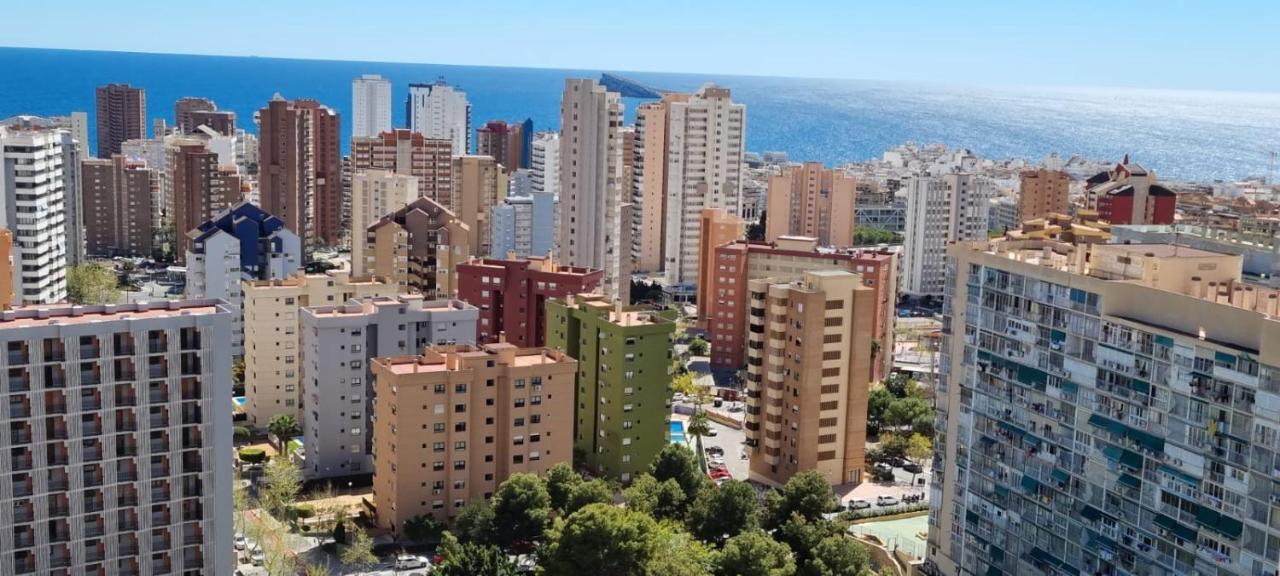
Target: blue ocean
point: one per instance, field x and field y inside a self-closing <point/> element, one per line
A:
<point x="1186" y="135"/>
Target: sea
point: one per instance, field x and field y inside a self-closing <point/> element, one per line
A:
<point x="1182" y="135"/>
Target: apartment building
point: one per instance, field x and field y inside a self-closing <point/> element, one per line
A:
<point x="116" y="195"/>
<point x="953" y="207"/>
<point x="1042" y="192"/>
<point x="417" y="247"/>
<point x="512" y="295"/>
<point x="1129" y="194"/>
<point x="121" y="115"/>
<point x="185" y="106"/>
<point x="273" y="351"/>
<point x="523" y="226"/>
<point x="649" y="188"/>
<point x="117" y="440"/>
<point x="38" y="179"/>
<point x="719" y="227"/>
<point x="735" y="265"/>
<point x="510" y="144"/>
<point x="374" y="194"/>
<point x="7" y="271"/>
<point x="624" y="380"/>
<point x="807" y="402"/>
<point x="479" y="184"/>
<point x="544" y="163"/>
<point x="411" y="154"/>
<point x="1105" y="409"/>
<point x="200" y="188"/>
<point x="300" y="167"/>
<point x="486" y="414"/>
<point x="810" y="200"/>
<point x="440" y="111"/>
<point x="370" y="106"/>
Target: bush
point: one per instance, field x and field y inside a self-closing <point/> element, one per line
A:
<point x="241" y="434"/>
<point x="304" y="511"/>
<point x="253" y="455"/>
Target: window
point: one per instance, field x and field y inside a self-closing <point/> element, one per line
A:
<point x="459" y="408"/>
<point x="439" y="388"/>
<point x="518" y="441"/>
<point x="535" y="418"/>
<point x="626" y="441"/>
<point x="517" y="459"/>
<point x="438" y="427"/>
<point x="535" y="438"/>
<point x="460" y="445"/>
<point x="519" y="402"/>
<point x="437" y="465"/>
<point x="536" y="400"/>
<point x="460" y="388"/>
<point x="519" y="422"/>
<point x="519" y="383"/>
<point x="460" y="427"/>
<point x="459" y="464"/>
<point x="437" y="447"/>
<point x="535" y="455"/>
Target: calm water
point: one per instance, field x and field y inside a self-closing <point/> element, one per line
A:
<point x="1181" y="134"/>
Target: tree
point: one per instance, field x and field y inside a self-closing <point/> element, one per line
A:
<point x="677" y="462"/>
<point x="837" y="555"/>
<point x="475" y="560"/>
<point x="92" y="283"/>
<point x="899" y="384"/>
<point x="421" y="528"/>
<point x="755" y="230"/>
<point x="316" y="569"/>
<point x="904" y="411"/>
<point x="593" y="492"/>
<point x="754" y="554"/>
<point x="359" y="551"/>
<point x="662" y="500"/>
<point x="923" y="425"/>
<point x="600" y="539"/>
<point x="893" y="445"/>
<point x="863" y="235"/>
<point x="475" y="522"/>
<point x="521" y="509"/>
<point x="237" y="371"/>
<point x="803" y="537"/>
<point x="340" y="532"/>
<point x="919" y="449"/>
<point x="699" y="347"/>
<point x="806" y="494"/>
<point x="677" y="553"/>
<point x="878" y="401"/>
<point x="561" y="479"/>
<point x="242" y="434"/>
<point x="283" y="483"/>
<point x="722" y="513"/>
<point x="283" y="427"/>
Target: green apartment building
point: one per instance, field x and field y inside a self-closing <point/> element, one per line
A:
<point x="624" y="380"/>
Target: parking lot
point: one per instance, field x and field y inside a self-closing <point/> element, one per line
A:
<point x="728" y="439"/>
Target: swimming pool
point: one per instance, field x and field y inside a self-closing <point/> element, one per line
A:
<point x="239" y="401"/>
<point x="677" y="431"/>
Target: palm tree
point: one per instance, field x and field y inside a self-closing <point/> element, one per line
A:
<point x="698" y="426"/>
<point x="282" y="426"/>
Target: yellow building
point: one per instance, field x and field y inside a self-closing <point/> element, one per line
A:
<point x="479" y="184"/>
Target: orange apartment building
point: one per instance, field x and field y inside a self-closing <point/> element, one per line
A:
<point x="809" y="200"/>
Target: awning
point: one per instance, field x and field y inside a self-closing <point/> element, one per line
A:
<point x="1181" y="476"/>
<point x="1165" y="341"/>
<point x="1030" y="484"/>
<point x="1002" y="490"/>
<point x="1112" y="452"/>
<point x="1146" y="440"/>
<point x="1131" y="459"/>
<point x="1011" y="428"/>
<point x="1224" y="358"/>
<point x="1183" y="532"/>
<point x="1220" y="523"/>
<point x="1098" y="421"/>
<point x="1061" y="475"/>
<point x="1130" y="481"/>
<point x="1070" y="386"/>
<point x="1140" y="387"/>
<point x="1090" y="513"/>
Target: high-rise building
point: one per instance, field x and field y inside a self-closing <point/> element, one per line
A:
<point x="706" y="137"/>
<point x="418" y="247"/>
<point x="339" y="345"/>
<point x="77" y="123"/>
<point x="273" y="351"/>
<point x="39" y="169"/>
<point x="509" y="144"/>
<point x="809" y="200"/>
<point x="524" y="226"/>
<point x="479" y="184"/>
<point x="242" y="243"/>
<point x="718" y="227"/>
<point x="950" y="208"/>
<point x="1104" y="409"/>
<point x="117" y="196"/>
<point x="807" y="407"/>
<point x="440" y="111"/>
<point x="300" y="168"/>
<point x="624" y="378"/>
<point x="544" y="163"/>
<point x="409" y="153"/>
<point x="374" y="194"/>
<point x="122" y="115"/>
<point x="201" y="188"/>
<point x="512" y="295"/>
<point x="118" y="448"/>
<point x="592" y="209"/>
<point x="185" y="106"/>
<point x="1041" y="193"/>
<point x="649" y="188"/>
<point x="220" y="121"/>
<point x="370" y="106"/>
<point x="492" y="412"/>
<point x="1129" y="194"/>
<point x="7" y="270"/>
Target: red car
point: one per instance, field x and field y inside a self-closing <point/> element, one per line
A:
<point x="719" y="473"/>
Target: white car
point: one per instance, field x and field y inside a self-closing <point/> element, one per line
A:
<point x="677" y="397"/>
<point x="257" y="557"/>
<point x="859" y="504"/>
<point x="409" y="562"/>
<point x="887" y="501"/>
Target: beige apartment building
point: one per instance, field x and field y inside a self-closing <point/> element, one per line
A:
<point x="649" y="188"/>
<point x="456" y="421"/>
<point x="479" y="184"/>
<point x="1043" y="193"/>
<point x="417" y="248"/>
<point x="272" y="341"/>
<point x="407" y="152"/>
<point x="374" y="194"/>
<point x="808" y="373"/>
<point x="809" y="200"/>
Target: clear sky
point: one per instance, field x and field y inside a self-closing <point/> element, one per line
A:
<point x="1209" y="44"/>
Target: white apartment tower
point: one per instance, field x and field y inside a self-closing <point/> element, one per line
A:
<point x="592" y="208"/>
<point x="544" y="163"/>
<point x="370" y="106"/>
<point x="705" y="145"/>
<point x="940" y="210"/>
<point x="38" y="198"/>
<point x="440" y="111"/>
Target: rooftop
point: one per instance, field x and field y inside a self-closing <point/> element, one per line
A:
<point x="364" y="306"/>
<point x="68" y="314"/>
<point x="446" y="358"/>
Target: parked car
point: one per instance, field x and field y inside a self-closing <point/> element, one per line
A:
<point x="409" y="562"/>
<point x="677" y="397"/>
<point x="241" y="541"/>
<point x="913" y="468"/>
<point x="719" y="473"/>
<point x="712" y="432"/>
<point x="714" y="451"/>
<point x="887" y="501"/>
<point x="256" y="556"/>
<point x="859" y="504"/>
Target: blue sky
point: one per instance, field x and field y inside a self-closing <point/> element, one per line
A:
<point x="1217" y="45"/>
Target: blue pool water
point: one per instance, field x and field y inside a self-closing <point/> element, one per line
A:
<point x="239" y="401"/>
<point x="677" y="431"/>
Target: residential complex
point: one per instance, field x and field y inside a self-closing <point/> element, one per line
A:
<point x="544" y="163"/>
<point x="221" y="122"/>
<point x="512" y="295"/>
<point x="940" y="209"/>
<point x="441" y="112"/>
<point x="808" y="376"/>
<point x="718" y="227"/>
<point x="510" y="145"/>
<point x="273" y="350"/>
<point x="199" y="187"/>
<point x="122" y="115"/>
<point x="118" y="449"/>
<point x="649" y="190"/>
<point x="412" y="154"/>
<point x="486" y="414"/>
<point x="116" y="196"/>
<point x="339" y="345"/>
<point x="38" y="178"/>
<point x="1128" y="194"/>
<point x="1043" y="192"/>
<point x="184" y="107"/>
<point x="479" y="184"/>
<point x="417" y="247"/>
<point x="370" y="106"/>
<point x="809" y="200"/>
<point x="725" y="308"/>
<point x="374" y="194"/>
<point x="523" y="226"/>
<point x="624" y="380"/>
<point x="300" y="168"/>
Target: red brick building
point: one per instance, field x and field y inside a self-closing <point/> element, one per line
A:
<point x="1129" y="194"/>
<point x="725" y="312"/>
<point x="511" y="295"/>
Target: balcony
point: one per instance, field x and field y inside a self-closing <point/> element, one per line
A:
<point x="159" y="469"/>
<point x="191" y="389"/>
<point x="193" y="558"/>
<point x="19" y="380"/>
<point x="21" y="459"/>
<point x="126" y="447"/>
<point x="18" y="354"/>
<point x="160" y="443"/>
<point x="24" y="537"/>
<point x="157" y="393"/>
<point x="90" y="401"/>
<point x="190" y="364"/>
<point x="159" y="418"/>
<point x="19" y="408"/>
<point x="95" y="504"/>
<point x="125" y="395"/>
<point x="19" y="433"/>
<point x="54" y="350"/>
<point x="160" y="517"/>
<point x="23" y="487"/>
<point x="95" y="529"/>
<point x="157" y="368"/>
<point x="122" y="344"/>
<point x="55" y="429"/>
<point x="55" y="376"/>
<point x="91" y="426"/>
<point x="157" y="342"/>
<point x="160" y="492"/>
<point x="124" y="369"/>
<point x="192" y="535"/>
<point x="127" y="500"/>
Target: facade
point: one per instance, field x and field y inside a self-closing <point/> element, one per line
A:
<point x="300" y="168"/>
<point x="815" y="419"/>
<point x="374" y="194"/>
<point x="705" y="144"/>
<point x="184" y="107"/>
<point x="592" y="234"/>
<point x="441" y="112"/>
<point x="201" y="188"/>
<point x="339" y="345"/>
<point x="409" y="153"/>
<point x="1003" y="213"/>
<point x="222" y="122"/>
<point x="122" y="115"/>
<point x="479" y="184"/>
<point x="650" y="186"/>
<point x="242" y="243"/>
<point x="7" y="270"/>
<point x="622" y="412"/>
<point x="509" y="144"/>
<point x="1041" y="193"/>
<point x="725" y="312"/>
<point x="1129" y="194"/>
<point x="885" y="212"/>
<point x="524" y="226"/>
<point x="940" y="210"/>
<point x="492" y="412"/>
<point x="417" y="247"/>
<point x="544" y="163"/>
<point x="718" y="227"/>
<point x="370" y="106"/>
<point x="42" y="164"/>
<point x="1104" y="409"/>
<point x="809" y="200"/>
<point x="116" y="196"/>
<point x="273" y="352"/>
<point x="512" y="295"/>
<point x="117" y="440"/>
